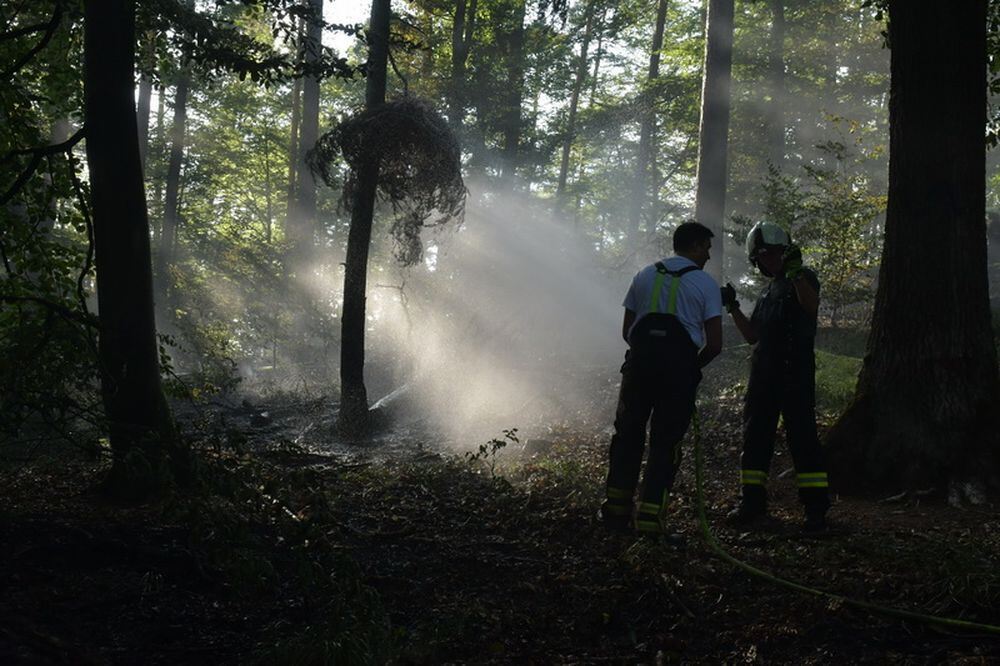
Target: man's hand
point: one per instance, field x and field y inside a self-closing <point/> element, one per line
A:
<point x="729" y="297"/>
<point x="791" y="261"/>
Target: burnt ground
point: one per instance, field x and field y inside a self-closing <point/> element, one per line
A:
<point x="399" y="551"/>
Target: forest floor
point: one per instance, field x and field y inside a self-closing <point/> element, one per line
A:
<point x="290" y="555"/>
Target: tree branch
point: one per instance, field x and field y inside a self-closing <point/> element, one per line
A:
<point x="61" y="310"/>
<point x="37" y="155"/>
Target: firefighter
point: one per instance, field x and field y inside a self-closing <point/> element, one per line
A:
<point x="782" y="381"/>
<point x="673" y="326"/>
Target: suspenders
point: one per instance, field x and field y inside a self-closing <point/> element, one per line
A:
<point x="675" y="283"/>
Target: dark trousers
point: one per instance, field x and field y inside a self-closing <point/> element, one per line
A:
<point x="664" y="400"/>
<point x="777" y="389"/>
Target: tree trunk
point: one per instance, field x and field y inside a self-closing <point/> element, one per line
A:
<point x="595" y="77"/>
<point x="776" y="67"/>
<point x="141" y="429"/>
<point x="293" y="145"/>
<point x="514" y="96"/>
<point x="171" y="212"/>
<point x="640" y="182"/>
<point x="574" y="100"/>
<point x="925" y="409"/>
<point x="713" y="135"/>
<point x="462" y="30"/>
<point x="157" y="220"/>
<point x="352" y="420"/>
<point x="303" y="216"/>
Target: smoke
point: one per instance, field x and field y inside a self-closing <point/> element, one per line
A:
<point x="510" y="322"/>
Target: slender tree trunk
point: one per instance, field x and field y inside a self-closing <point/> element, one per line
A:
<point x="462" y="31"/>
<point x="574" y="100"/>
<point x="141" y="429"/>
<point x="776" y="67"/>
<point x="595" y="78"/>
<point x="171" y="208"/>
<point x="145" y="95"/>
<point x="641" y="181"/>
<point x="925" y="410"/>
<point x="293" y="146"/>
<point x="352" y="420"/>
<point x="303" y="215"/>
<point x="514" y="97"/>
<point x="157" y="220"/>
<point x="710" y="199"/>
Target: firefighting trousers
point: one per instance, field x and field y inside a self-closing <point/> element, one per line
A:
<point x="664" y="400"/>
<point x="790" y="394"/>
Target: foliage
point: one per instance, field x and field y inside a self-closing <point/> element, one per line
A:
<point x="833" y="214"/>
<point x="488" y="452"/>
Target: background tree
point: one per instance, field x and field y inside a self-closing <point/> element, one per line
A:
<point x="926" y="402"/>
<point x="713" y="137"/>
<point x="141" y="428"/>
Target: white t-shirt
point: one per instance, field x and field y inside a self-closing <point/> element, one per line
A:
<point x="698" y="297"/>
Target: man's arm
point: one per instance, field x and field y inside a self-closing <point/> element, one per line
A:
<point x="713" y="341"/>
<point x="627" y="323"/>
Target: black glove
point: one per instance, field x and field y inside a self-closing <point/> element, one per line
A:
<point x="729" y="297"/>
<point x="791" y="261"/>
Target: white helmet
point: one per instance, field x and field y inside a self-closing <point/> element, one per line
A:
<point x="765" y="233"/>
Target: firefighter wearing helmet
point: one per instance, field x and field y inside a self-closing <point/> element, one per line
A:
<point x="782" y="331"/>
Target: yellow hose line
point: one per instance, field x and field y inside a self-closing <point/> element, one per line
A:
<point x="714" y="545"/>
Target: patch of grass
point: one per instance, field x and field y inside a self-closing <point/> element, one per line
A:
<point x="836" y="377"/>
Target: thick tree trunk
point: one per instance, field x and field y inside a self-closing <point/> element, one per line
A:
<point x="776" y="67"/>
<point x="140" y="424"/>
<point x="574" y="101"/>
<point x="925" y="410"/>
<point x="303" y="220"/>
<point x="713" y="136"/>
<point x="352" y="420"/>
<point x="641" y="181"/>
<point x="514" y="97"/>
<point x="171" y="208"/>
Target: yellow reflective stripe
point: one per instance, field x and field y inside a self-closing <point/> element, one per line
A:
<point x="648" y="526"/>
<point x="617" y="509"/>
<point x="649" y="507"/>
<point x="753" y="477"/>
<point x="813" y="480"/>
<point x="675" y="284"/>
<point x="619" y="493"/>
<point x="654" y="300"/>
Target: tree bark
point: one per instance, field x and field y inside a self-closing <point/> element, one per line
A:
<point x="303" y="218"/>
<point x="776" y="67"/>
<point x="352" y="421"/>
<point x="926" y="405"/>
<point x="713" y="135"/>
<point x="140" y="424"/>
<point x="574" y="101"/>
<point x="641" y="181"/>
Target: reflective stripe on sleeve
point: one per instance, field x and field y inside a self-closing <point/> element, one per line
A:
<point x="753" y="477"/>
